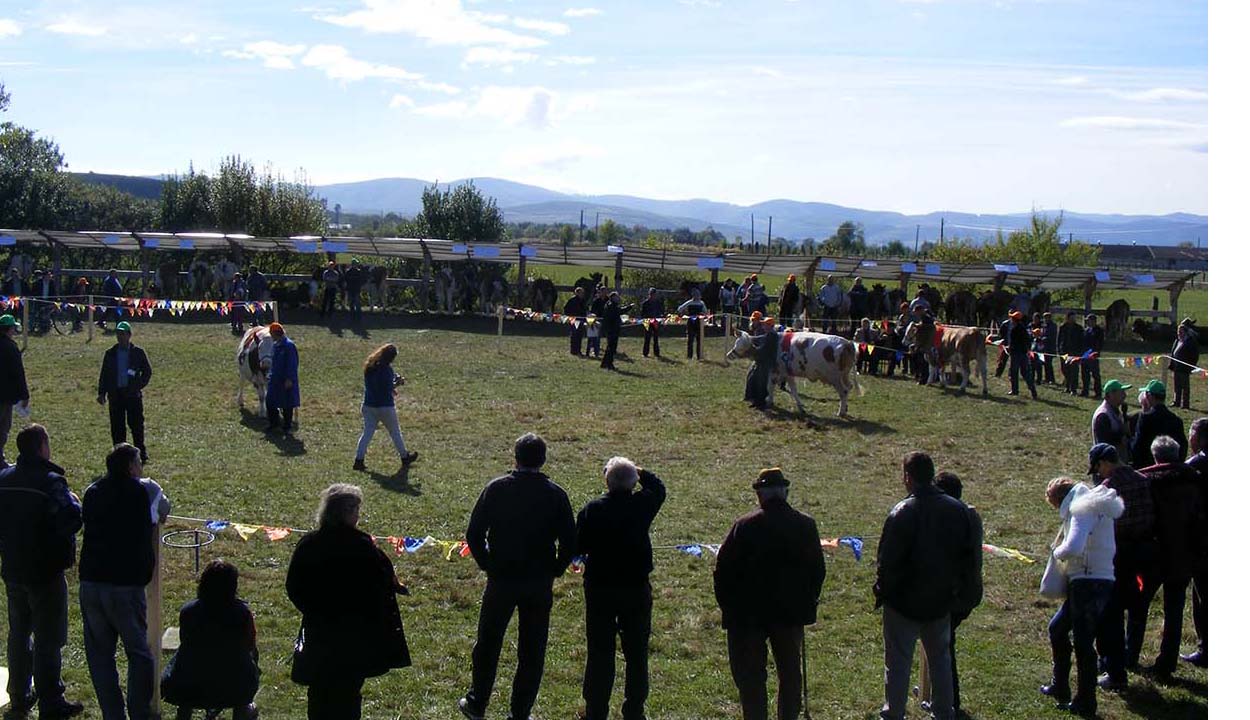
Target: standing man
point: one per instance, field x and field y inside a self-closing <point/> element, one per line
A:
<point x="949" y="483"/>
<point x="788" y="303"/>
<point x="282" y="393"/>
<point x="927" y="562"/>
<point x="768" y="576"/>
<point x="652" y="310"/>
<point x="13" y="388"/>
<point x="1155" y="420"/>
<point x="611" y="330"/>
<point x="614" y="537"/>
<point x="123" y="375"/>
<point x="575" y="308"/>
<point x="1198" y="461"/>
<point x="113" y="290"/>
<point x="831" y="298"/>
<point x="522" y="535"/>
<point x="1071" y="342"/>
<point x="39" y="518"/>
<point x="120" y="512"/>
<point x="1109" y="424"/>
<point x="1050" y="346"/>
<point x="1184" y="360"/>
<point x="1092" y="345"/>
<point x="693" y="310"/>
<point x="354" y="281"/>
<point x="1019" y="342"/>
<point x="257" y="291"/>
<point x="760" y="375"/>
<point x="330" y="279"/>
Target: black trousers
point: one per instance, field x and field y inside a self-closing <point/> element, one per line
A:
<point x="1020" y="366"/>
<point x="1174" y="593"/>
<point x="126" y="409"/>
<point x="1090" y="369"/>
<point x="1071" y="374"/>
<point x="531" y="601"/>
<point x="327" y="301"/>
<point x="1048" y="365"/>
<point x="337" y="700"/>
<point x="748" y="663"/>
<point x="828" y="320"/>
<point x="1199" y="601"/>
<point x="609" y="355"/>
<point x="287" y="414"/>
<point x="38" y="627"/>
<point x="955" y="622"/>
<point x="650" y="333"/>
<point x="613" y="610"/>
<point x="1117" y="647"/>
<point x="920" y="367"/>
<point x="576" y="331"/>
<point x="1180" y="381"/>
<point x="694" y="341"/>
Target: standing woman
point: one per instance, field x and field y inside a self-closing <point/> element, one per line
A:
<point x="283" y="391"/>
<point x="345" y="587"/>
<point x="379" y="404"/>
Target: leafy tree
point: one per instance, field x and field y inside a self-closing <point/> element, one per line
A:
<point x="461" y="215"/>
<point x="610" y="232"/>
<point x="1040" y="243"/>
<point x="32" y="187"/>
<point x="848" y="240"/>
<point x="4" y="99"/>
<point x="187" y="203"/>
<point x="102" y="207"/>
<point x="567" y="235"/>
<point x="239" y="199"/>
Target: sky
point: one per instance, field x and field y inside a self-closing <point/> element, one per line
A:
<point x="906" y="105"/>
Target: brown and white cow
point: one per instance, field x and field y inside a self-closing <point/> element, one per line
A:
<point x="812" y="355"/>
<point x="956" y="348"/>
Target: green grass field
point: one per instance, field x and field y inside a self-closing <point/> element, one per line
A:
<point x="470" y="394"/>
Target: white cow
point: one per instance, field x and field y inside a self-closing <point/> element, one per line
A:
<point x="254" y="356"/>
<point x="812" y="355"/>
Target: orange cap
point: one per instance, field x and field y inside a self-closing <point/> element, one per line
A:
<point x="276" y="328"/>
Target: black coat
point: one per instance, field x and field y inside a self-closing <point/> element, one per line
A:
<point x="216" y="663"/>
<point x="770" y="569"/>
<point x="345" y="587"/>
<point x="611" y="318"/>
<point x="928" y="560"/>
<point x="13" y="387"/>
<point x="575" y="307"/>
<point x="1179" y="519"/>
<point x="138" y="363"/>
<point x="1150" y="425"/>
<point x="517" y="524"/>
<point x="1186" y="351"/>
<point x="614" y="533"/>
<point x="38" y="521"/>
<point x="1071" y="339"/>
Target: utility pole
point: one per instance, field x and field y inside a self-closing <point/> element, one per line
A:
<point x="770" y="234"/>
<point x="581" y="225"/>
<point x="596" y="225"/>
<point x="752" y="231"/>
<point x="916" y="248"/>
<point x="942" y="232"/>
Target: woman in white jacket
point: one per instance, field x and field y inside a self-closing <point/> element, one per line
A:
<point x="1087" y="552"/>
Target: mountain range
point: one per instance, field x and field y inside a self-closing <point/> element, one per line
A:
<point x="791" y="219"/>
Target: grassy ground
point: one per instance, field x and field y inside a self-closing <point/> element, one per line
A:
<point x="470" y="395"/>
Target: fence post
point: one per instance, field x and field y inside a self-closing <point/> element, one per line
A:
<point x="499" y="313"/>
<point x="274" y="305"/>
<point x="25" y="323"/>
<point x="90" y="317"/>
<point x="726" y="333"/>
<point x="155" y="623"/>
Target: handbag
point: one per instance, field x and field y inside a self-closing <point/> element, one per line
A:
<point x="1055" y="577"/>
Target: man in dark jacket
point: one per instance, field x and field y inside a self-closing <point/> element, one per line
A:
<point x="257" y="291"/>
<point x="1155" y="420"/>
<point x="652" y="310"/>
<point x="13" y="389"/>
<point x="113" y="291"/>
<point x="1198" y="461"/>
<point x="119" y="512"/>
<point x="522" y="535"/>
<point x="123" y="375"/>
<point x="1184" y="360"/>
<point x="39" y="517"/>
<point x="1071" y="344"/>
<point x="330" y="281"/>
<point x="1091" y="342"/>
<point x="760" y="376"/>
<point x="949" y="483"/>
<point x="788" y="303"/>
<point x="575" y="309"/>
<point x="614" y="538"/>
<point x="768" y="576"/>
<point x="611" y="328"/>
<point x="1019" y="342"/>
<point x="1050" y="346"/>
<point x="354" y="281"/>
<point x="928" y="560"/>
<point x="1176" y="489"/>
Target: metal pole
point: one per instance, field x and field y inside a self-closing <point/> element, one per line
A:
<point x="273" y="304"/>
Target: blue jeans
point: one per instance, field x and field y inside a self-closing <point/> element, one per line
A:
<point x="1079" y="615"/>
<point x="38" y="610"/>
<point x="110" y="612"/>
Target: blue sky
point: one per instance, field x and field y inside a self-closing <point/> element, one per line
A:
<point x="909" y="105"/>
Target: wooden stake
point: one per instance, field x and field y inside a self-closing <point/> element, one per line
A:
<point x="274" y="304"/>
<point x="155" y="626"/>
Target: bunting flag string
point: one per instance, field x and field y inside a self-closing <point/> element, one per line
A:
<point x="143" y="306"/>
<point x="1007" y="553"/>
<point x="512" y="313"/>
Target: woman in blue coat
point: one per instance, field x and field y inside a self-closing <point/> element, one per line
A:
<point x="283" y="391"/>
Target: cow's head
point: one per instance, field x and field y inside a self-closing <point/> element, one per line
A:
<point x="742" y="347"/>
<point x="909" y="335"/>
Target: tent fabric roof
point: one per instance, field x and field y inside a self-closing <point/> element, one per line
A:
<point x="732" y="263"/>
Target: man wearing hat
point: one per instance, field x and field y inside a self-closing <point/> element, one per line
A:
<point x="766" y="342"/>
<point x="1155" y="420"/>
<point x="928" y="564"/>
<point x="282" y="393"/>
<point x="1184" y="360"/>
<point x="652" y="310"/>
<point x="1019" y="342"/>
<point x="767" y="580"/>
<point x="757" y="299"/>
<point x="1135" y="549"/>
<point x="1071" y="343"/>
<point x="789" y="302"/>
<point x="123" y="375"/>
<point x="1092" y="343"/>
<point x="13" y="389"/>
<point x="1109" y="424"/>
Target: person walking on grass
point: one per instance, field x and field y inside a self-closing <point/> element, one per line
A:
<point x="14" y="393"/>
<point x="282" y="393"/>
<point x="124" y="374"/>
<point x="120" y="512"/>
<point x="522" y="535"/>
<point x="381" y="386"/>
<point x="216" y="665"/>
<point x="614" y="537"/>
<point x="767" y="581"/>
<point x="345" y="588"/>
<point x="39" y="518"/>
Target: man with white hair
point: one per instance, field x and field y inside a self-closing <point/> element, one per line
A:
<point x="614" y="538"/>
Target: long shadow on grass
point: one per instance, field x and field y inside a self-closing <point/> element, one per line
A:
<point x="1147" y="701"/>
<point x="396" y="482"/>
<point x="863" y="425"/>
<point x="287" y="446"/>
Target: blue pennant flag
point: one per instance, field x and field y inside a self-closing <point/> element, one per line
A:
<point x="217" y="525"/>
<point x="694" y="550"/>
<point x="855" y="544"/>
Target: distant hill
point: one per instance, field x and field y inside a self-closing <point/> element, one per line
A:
<point x="793" y="220"/>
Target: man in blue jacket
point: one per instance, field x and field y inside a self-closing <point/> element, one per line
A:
<point x="39" y="517"/>
<point x="282" y="393"/>
<point x="124" y="374"/>
<point x="1092" y="345"/>
<point x="113" y="290"/>
<point x="13" y="388"/>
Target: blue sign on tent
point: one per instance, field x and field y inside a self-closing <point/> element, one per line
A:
<point x="827" y="265"/>
<point x="616" y="249"/>
<point x="908" y="267"/>
<point x="1143" y="279"/>
<point x="186" y="244"/>
<point x="460" y="248"/>
<point x="111" y="239"/>
<point x="308" y="247"/>
<point x="7" y="240"/>
<point x="527" y="251"/>
<point x="868" y="263"/>
<point x="486" y="251"/>
<point x="151" y="242"/>
<point x="333" y="247"/>
<point x="1102" y="276"/>
<point x="932" y="269"/>
<point x="1006" y="268"/>
<point x="710" y="263"/>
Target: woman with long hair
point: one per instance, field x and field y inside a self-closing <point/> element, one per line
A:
<point x="344" y="587"/>
<point x="381" y="381"/>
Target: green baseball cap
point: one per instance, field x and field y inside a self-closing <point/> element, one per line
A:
<point x="8" y="321"/>
<point x="1112" y="385"/>
<point x="1156" y="388"/>
<point x="123" y="326"/>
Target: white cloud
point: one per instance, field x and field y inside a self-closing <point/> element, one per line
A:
<point x="582" y="12"/>
<point x="76" y="26"/>
<point x="440" y="22"/>
<point x="552" y="158"/>
<point x="9" y="28"/>
<point x="274" y="55"/>
<point x="571" y="60"/>
<point x="1071" y="81"/>
<point x="543" y="26"/>
<point x="1114" y="122"/>
<point x="338" y="64"/>
<point x="1164" y="94"/>
<point x="402" y="102"/>
<point x="512" y="106"/>
<point x="490" y="56"/>
<point x="453" y="109"/>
